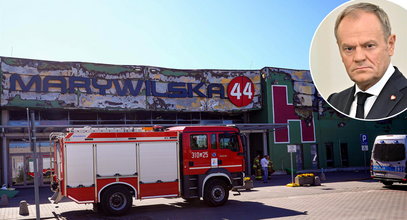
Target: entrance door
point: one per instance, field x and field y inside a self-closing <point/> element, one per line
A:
<point x="299" y="157"/>
<point x="256" y="148"/>
<point x="19" y="169"/>
<point x="21" y="163"/>
<point x="22" y="169"/>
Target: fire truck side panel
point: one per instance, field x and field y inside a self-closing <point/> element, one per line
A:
<point x="159" y="190"/>
<point x="81" y="194"/>
<point x="159" y="169"/>
<point x="79" y="165"/>
<point x="116" y="159"/>
<point x="80" y="178"/>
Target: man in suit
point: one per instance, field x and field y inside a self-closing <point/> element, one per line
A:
<point x="365" y="42"/>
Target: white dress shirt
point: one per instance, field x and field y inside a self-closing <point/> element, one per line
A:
<point x="264" y="162"/>
<point x="374" y="91"/>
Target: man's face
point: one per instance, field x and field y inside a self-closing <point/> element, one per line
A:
<point x="364" y="50"/>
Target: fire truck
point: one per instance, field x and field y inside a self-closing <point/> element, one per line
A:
<point x="109" y="166"/>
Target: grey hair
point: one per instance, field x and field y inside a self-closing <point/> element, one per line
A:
<point x="369" y="8"/>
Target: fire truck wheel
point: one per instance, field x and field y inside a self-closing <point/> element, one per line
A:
<point x="116" y="200"/>
<point x="216" y="193"/>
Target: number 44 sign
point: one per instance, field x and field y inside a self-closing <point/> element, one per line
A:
<point x="241" y="91"/>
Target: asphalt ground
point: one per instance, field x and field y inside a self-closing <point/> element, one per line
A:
<point x="272" y="200"/>
<point x="27" y="194"/>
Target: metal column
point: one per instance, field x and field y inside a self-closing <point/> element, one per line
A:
<point x="248" y="162"/>
<point x="265" y="145"/>
<point x="4" y="120"/>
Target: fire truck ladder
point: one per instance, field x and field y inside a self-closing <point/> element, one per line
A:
<point x="105" y="130"/>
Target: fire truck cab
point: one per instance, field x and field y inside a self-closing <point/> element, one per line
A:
<point x="109" y="166"/>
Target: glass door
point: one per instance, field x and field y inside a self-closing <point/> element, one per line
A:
<point x="21" y="160"/>
<point x="18" y="170"/>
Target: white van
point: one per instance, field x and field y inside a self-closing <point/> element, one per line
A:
<point x="389" y="160"/>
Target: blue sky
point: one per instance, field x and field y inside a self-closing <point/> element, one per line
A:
<point x="183" y="34"/>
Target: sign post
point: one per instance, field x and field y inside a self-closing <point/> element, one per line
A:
<point x="364" y="145"/>
<point x="292" y="149"/>
<point x="32" y="138"/>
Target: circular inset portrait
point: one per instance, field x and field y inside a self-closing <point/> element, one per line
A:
<point x="358" y="59"/>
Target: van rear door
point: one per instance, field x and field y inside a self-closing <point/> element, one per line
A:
<point x="389" y="160"/>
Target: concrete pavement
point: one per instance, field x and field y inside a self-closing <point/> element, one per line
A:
<point x="335" y="199"/>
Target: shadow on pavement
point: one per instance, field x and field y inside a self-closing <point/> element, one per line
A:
<point x="276" y="180"/>
<point x="398" y="187"/>
<point x="198" y="210"/>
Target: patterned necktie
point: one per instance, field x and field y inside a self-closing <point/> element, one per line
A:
<point x="360" y="109"/>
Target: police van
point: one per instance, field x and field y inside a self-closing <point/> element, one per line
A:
<point x="389" y="159"/>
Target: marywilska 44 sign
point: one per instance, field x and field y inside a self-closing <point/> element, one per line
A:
<point x="75" y="85"/>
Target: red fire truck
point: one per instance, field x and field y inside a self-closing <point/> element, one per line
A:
<point x="109" y="166"/>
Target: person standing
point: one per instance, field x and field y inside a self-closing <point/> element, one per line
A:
<point x="270" y="167"/>
<point x="257" y="167"/>
<point x="265" y="167"/>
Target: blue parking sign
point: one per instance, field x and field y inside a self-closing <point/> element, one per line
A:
<point x="363" y="139"/>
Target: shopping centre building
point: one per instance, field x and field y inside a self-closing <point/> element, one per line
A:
<point x="273" y="107"/>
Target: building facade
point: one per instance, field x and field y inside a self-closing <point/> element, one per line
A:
<point x="323" y="137"/>
<point x="75" y="94"/>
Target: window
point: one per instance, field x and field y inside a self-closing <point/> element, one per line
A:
<point x="389" y="152"/>
<point x="199" y="142"/>
<point x="111" y="118"/>
<point x="214" y="143"/>
<point x="79" y="117"/>
<point x="54" y="115"/>
<point x="329" y="154"/>
<point x="229" y="141"/>
<point x="18" y="115"/>
<point x="344" y="155"/>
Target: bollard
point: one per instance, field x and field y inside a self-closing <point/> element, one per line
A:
<point x="317" y="181"/>
<point x="322" y="176"/>
<point x="4" y="200"/>
<point x="24" y="208"/>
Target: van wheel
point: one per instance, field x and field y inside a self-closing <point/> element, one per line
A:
<point x="387" y="183"/>
<point x="116" y="200"/>
<point x="216" y="193"/>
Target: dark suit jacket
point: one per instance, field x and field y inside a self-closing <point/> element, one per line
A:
<point x="384" y="106"/>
